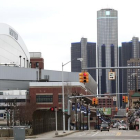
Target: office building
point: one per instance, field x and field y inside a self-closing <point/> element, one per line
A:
<point x="87" y="51"/>
<point x="133" y="75"/>
<point x="107" y="46"/>
<point x="129" y="50"/>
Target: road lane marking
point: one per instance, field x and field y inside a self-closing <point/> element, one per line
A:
<point x="82" y="134"/>
<point x="95" y="134"/>
<point x="118" y="133"/>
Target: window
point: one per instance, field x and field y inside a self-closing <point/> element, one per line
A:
<point x="59" y="98"/>
<point x="1" y="93"/>
<point x="37" y="64"/>
<point x="44" y="98"/>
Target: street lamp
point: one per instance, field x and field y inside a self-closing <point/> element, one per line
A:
<point x="81" y="59"/>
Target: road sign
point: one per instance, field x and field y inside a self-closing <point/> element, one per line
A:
<point x="114" y="98"/>
<point x="111" y="75"/>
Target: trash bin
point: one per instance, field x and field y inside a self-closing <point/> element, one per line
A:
<point x="19" y="133"/>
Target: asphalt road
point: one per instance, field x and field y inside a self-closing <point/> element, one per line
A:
<point x="98" y="135"/>
<point x="113" y="134"/>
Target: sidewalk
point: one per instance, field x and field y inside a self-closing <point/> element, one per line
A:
<point x="62" y="134"/>
<point x="47" y="135"/>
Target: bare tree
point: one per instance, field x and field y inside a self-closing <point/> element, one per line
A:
<point x="24" y="113"/>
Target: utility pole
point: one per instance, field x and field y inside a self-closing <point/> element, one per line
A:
<point x="56" y="133"/>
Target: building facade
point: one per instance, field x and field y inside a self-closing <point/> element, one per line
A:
<point x="87" y="51"/>
<point x="107" y="46"/>
<point x="13" y="50"/>
<point x="133" y="75"/>
<point x="129" y="50"/>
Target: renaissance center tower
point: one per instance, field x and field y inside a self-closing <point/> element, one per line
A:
<point x="107" y="47"/>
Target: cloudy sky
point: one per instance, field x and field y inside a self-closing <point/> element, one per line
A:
<point x="50" y="26"/>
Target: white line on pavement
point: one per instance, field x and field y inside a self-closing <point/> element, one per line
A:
<point x="82" y="134"/>
<point x="95" y="134"/>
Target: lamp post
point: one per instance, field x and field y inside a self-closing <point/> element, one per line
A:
<point x="81" y="59"/>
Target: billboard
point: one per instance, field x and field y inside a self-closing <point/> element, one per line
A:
<point x="106" y="111"/>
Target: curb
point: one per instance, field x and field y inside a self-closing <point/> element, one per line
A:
<point x="27" y="137"/>
<point x="66" y="134"/>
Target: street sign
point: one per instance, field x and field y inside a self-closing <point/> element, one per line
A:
<point x="66" y="110"/>
<point x="114" y="98"/>
<point x="111" y="75"/>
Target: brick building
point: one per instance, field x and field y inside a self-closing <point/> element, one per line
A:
<point x="36" y="60"/>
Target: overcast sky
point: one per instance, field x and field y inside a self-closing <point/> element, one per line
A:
<point x="50" y="26"/>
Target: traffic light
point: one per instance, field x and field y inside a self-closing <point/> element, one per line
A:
<point x="85" y="77"/>
<point x="104" y="109"/>
<point x="52" y="109"/>
<point x="127" y="109"/>
<point x="116" y="109"/>
<point x="123" y="99"/>
<point x="126" y="99"/>
<point x="94" y="101"/>
<point x="81" y="80"/>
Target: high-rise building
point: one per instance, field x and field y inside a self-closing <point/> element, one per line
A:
<point x="87" y="51"/>
<point x="126" y="54"/>
<point x="107" y="45"/>
<point x="129" y="50"/>
<point x="133" y="75"/>
<point x="136" y="47"/>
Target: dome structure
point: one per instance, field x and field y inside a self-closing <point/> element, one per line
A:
<point x="13" y="50"/>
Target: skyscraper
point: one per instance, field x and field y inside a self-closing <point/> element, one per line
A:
<point x="129" y="50"/>
<point x="87" y="51"/>
<point x="107" y="46"/>
<point x="136" y="47"/>
<point x="133" y="75"/>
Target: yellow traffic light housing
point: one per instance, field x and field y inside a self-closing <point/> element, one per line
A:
<point x="123" y="99"/>
<point x="126" y="99"/>
<point x="85" y="77"/>
<point x="96" y="101"/>
<point x="104" y="109"/>
<point x="81" y="77"/>
<point x="116" y="109"/>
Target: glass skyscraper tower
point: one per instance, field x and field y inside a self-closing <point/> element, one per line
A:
<point x="107" y="47"/>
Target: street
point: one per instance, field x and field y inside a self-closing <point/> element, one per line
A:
<point x="113" y="134"/>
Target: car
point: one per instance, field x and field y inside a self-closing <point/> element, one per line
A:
<point x="116" y="125"/>
<point x="123" y="127"/>
<point x="104" y="127"/>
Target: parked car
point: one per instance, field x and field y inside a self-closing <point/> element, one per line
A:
<point x="104" y="127"/>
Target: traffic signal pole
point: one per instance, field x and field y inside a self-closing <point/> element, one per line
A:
<point x="97" y="68"/>
<point x="111" y="94"/>
<point x="69" y="114"/>
<point x="56" y="133"/>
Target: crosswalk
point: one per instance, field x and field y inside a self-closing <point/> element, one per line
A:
<point x="96" y="133"/>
